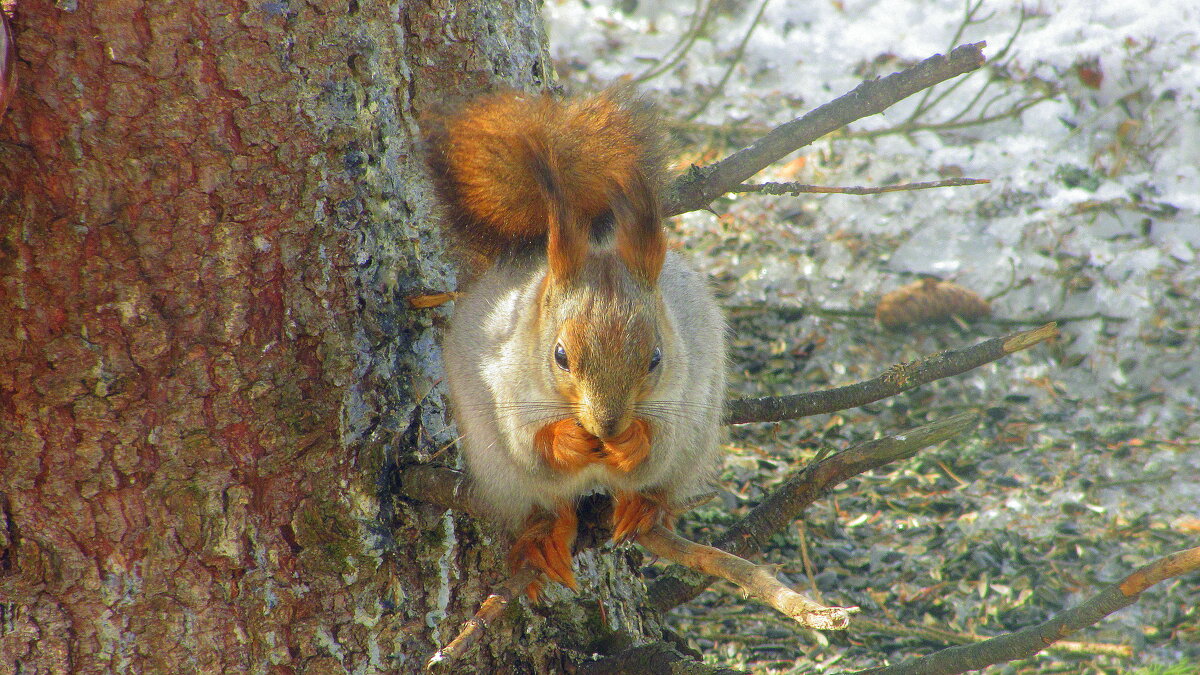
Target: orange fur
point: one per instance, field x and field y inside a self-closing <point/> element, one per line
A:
<point x="593" y="144"/>
<point x="625" y="451"/>
<point x="563" y="199"/>
<point x="636" y="513"/>
<point x="566" y="239"/>
<point x="545" y="543"/>
<point x="622" y="341"/>
<point x="519" y="168"/>
<point x="565" y="446"/>
<point x="641" y="244"/>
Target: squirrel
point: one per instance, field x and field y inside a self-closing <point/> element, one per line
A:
<point x="583" y="355"/>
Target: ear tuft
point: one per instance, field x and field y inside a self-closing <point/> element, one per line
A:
<point x="640" y="241"/>
<point x="566" y="235"/>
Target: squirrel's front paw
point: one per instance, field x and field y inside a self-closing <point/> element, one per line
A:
<point x="635" y="513"/>
<point x="565" y="446"/>
<point x="545" y="544"/>
<point x="630" y="448"/>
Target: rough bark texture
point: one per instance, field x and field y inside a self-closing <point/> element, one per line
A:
<point x="210" y="214"/>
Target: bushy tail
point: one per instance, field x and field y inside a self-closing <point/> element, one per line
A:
<point x="518" y="170"/>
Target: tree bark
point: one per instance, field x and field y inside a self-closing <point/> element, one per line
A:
<point x="210" y="214"/>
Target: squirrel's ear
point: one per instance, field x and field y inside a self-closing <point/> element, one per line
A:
<point x="566" y="238"/>
<point x="641" y="243"/>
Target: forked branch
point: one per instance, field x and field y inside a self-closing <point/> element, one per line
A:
<point x="696" y="189"/>
<point x="758" y="581"/>
<point x="444" y="486"/>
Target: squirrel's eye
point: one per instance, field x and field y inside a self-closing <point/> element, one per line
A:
<point x="655" y="358"/>
<point x="560" y="357"/>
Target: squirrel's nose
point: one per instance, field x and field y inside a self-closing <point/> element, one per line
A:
<point x="604" y="426"/>
<point x="603" y="417"/>
<point x="608" y="427"/>
<point x="612" y="426"/>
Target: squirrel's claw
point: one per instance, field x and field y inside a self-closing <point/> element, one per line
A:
<point x="635" y="513"/>
<point x="545" y="544"/>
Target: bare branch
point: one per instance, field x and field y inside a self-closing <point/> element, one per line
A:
<point x="489" y="611"/>
<point x="899" y="378"/>
<point x="911" y="127"/>
<point x="793" y="313"/>
<point x="788" y="500"/>
<point x="758" y="581"/>
<point x="800" y="188"/>
<point x="699" y="187"/>
<point x="1029" y="641"/>
<point x="961" y="638"/>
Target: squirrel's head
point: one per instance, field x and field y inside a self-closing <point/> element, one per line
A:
<point x="603" y="314"/>
<point x="602" y="343"/>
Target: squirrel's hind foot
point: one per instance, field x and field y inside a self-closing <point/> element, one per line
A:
<point x="635" y="513"/>
<point x="545" y="544"/>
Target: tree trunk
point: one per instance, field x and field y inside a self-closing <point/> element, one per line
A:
<point x="211" y="215"/>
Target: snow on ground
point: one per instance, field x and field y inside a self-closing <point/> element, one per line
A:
<point x="1093" y="209"/>
<point x="1094" y="205"/>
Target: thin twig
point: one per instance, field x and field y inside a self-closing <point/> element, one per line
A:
<point x="997" y="64"/>
<point x="807" y="562"/>
<point x="1029" y="641"/>
<point x="907" y="128"/>
<point x="430" y="300"/>
<point x="737" y="57"/>
<point x="922" y="107"/>
<point x="700" y="16"/>
<point x="800" y="188"/>
<point x="956" y="637"/>
<point x="697" y="188"/>
<point x="787" y="313"/>
<point x="897" y="379"/>
<point x="793" y="313"/>
<point x="758" y="581"/>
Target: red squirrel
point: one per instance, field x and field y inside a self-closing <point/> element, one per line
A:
<point x="583" y="355"/>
